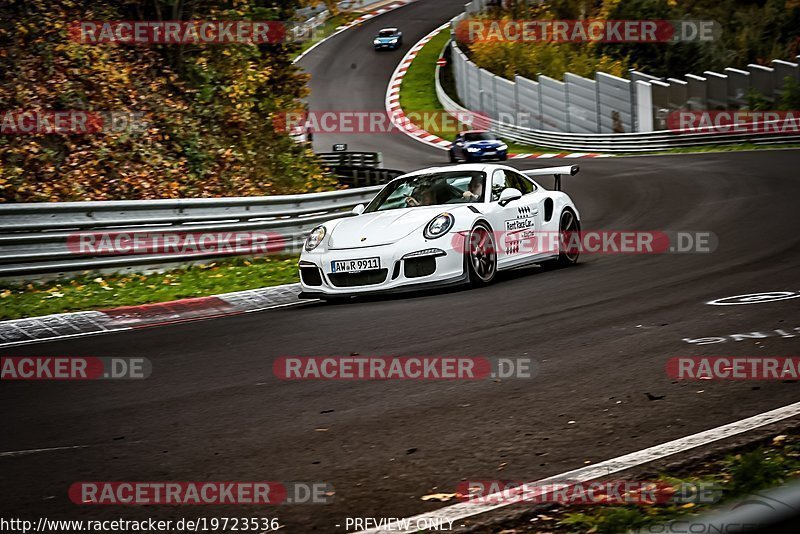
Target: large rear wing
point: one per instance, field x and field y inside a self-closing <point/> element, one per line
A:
<point x="556" y="172"/>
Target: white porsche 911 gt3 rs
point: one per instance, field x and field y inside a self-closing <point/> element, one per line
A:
<point x="441" y="226"/>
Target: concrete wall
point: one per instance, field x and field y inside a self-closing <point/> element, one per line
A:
<point x="608" y="104"/>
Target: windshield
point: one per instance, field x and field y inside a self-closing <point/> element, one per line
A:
<point x="386" y="33"/>
<point x="480" y="136"/>
<point x="452" y="187"/>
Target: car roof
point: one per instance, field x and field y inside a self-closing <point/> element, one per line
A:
<point x="485" y="167"/>
<point x="475" y="131"/>
<point x="387" y="30"/>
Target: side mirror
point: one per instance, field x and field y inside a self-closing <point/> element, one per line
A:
<point x="509" y="194"/>
<point x="358" y="210"/>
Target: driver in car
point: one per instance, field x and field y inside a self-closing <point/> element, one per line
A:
<point x="475" y="190"/>
<point x="442" y="193"/>
<point x="423" y="196"/>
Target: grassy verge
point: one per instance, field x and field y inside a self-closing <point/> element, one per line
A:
<point x="418" y="95"/>
<point x="726" y="148"/>
<point x="91" y="292"/>
<point x="418" y="91"/>
<point x="753" y="469"/>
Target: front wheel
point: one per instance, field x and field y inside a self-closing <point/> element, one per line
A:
<point x="481" y="255"/>
<point x="568" y="240"/>
<point x="453" y="158"/>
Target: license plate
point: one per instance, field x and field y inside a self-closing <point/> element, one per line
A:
<point x="354" y="266"/>
<point x="490" y="153"/>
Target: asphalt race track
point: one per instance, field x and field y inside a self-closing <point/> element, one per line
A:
<point x="348" y="75"/>
<point x="602" y="333"/>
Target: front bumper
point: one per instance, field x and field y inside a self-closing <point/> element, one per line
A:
<point x="387" y="46"/>
<point x="488" y="154"/>
<point x="395" y="273"/>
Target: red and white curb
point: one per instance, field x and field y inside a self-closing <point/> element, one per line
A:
<point x="355" y="22"/>
<point x="395" y="112"/>
<point x="404" y="124"/>
<point x="565" y="155"/>
<point x="69" y="325"/>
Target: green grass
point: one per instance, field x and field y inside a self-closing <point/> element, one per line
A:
<point x="92" y="291"/>
<point x="725" y="148"/>
<point x="418" y="91"/>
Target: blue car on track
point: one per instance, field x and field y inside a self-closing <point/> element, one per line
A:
<point x="388" y="39"/>
<point x="478" y="145"/>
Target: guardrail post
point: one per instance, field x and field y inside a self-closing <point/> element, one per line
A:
<point x="566" y="107"/>
<point x="597" y="100"/>
<point x="644" y="104"/>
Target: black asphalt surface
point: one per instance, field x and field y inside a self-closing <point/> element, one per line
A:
<point x="602" y="333"/>
<point x="348" y="75"/>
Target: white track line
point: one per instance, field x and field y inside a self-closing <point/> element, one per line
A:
<point x="463" y="510"/>
<point x="34" y="451"/>
<point x="64" y="336"/>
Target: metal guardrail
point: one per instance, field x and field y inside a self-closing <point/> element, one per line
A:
<point x="350" y="159"/>
<point x="357" y="176"/>
<point x="36" y="238"/>
<point x="357" y="169"/>
<point x="611" y="143"/>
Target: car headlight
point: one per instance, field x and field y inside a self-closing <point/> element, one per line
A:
<point x="315" y="238"/>
<point x="438" y="226"/>
<point x="473" y="149"/>
<point x="393" y="41"/>
<point x="376" y="41"/>
<point x="503" y="147"/>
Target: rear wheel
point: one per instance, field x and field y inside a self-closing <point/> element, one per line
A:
<point x="568" y="238"/>
<point x="481" y="255"/>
